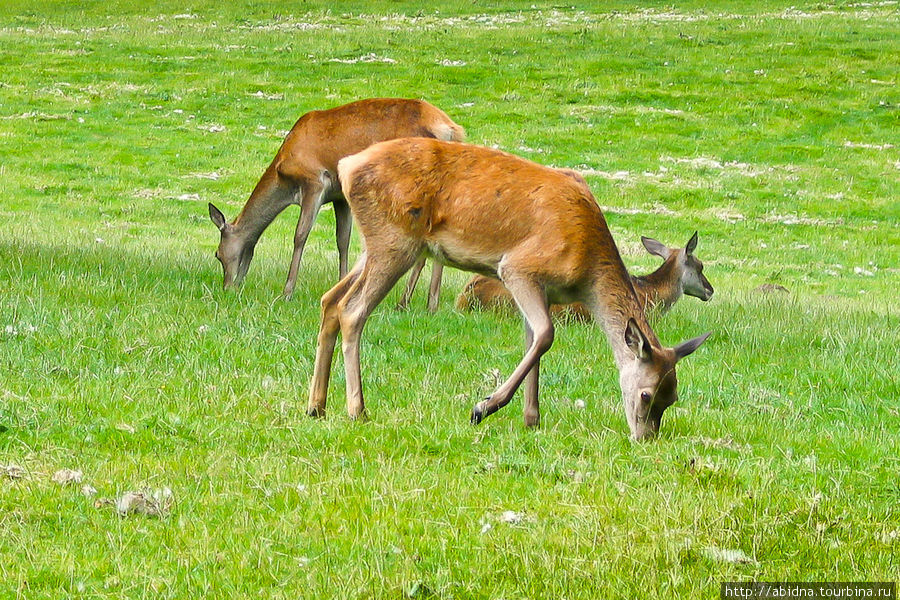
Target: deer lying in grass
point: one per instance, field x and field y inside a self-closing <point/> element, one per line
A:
<point x="487" y="211"/>
<point x="681" y="273"/>
<point x="304" y="172"/>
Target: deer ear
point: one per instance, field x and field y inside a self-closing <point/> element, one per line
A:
<point x="636" y="340"/>
<point x="655" y="247"/>
<point x="685" y="348"/>
<point x="692" y="244"/>
<point x="217" y="217"/>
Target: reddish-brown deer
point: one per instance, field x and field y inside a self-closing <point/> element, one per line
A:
<point x="304" y="172"/>
<point x="487" y="211"/>
<point x="680" y="274"/>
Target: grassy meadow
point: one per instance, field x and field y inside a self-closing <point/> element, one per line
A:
<point x="772" y="128"/>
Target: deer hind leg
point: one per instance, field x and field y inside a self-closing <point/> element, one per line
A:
<point x="328" y="331"/>
<point x="434" y="291"/>
<point x="343" y="223"/>
<point x="532" y="302"/>
<point x="378" y="276"/>
<point x="312" y="191"/>
<point x="403" y="304"/>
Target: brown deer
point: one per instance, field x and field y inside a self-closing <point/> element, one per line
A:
<point x="681" y="273"/>
<point x="487" y="211"/>
<point x="304" y="172"/>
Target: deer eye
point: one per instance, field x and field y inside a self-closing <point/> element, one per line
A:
<point x="645" y="397"/>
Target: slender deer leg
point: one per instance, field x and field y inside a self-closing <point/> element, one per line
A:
<point x="434" y="292"/>
<point x="343" y="224"/>
<point x="530" y="298"/>
<point x="403" y="304"/>
<point x="328" y="331"/>
<point x="376" y="280"/>
<point x="310" y="203"/>
<point x="532" y="408"/>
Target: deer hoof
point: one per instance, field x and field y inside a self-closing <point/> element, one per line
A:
<point x="361" y="417"/>
<point x="315" y="413"/>
<point x="477" y="414"/>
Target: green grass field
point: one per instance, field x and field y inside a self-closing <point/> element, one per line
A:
<point x="773" y="128"/>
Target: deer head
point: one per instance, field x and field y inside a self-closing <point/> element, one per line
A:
<point x="233" y="252"/>
<point x="693" y="282"/>
<point x="648" y="380"/>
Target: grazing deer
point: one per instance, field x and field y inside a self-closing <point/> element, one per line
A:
<point x="487" y="211"/>
<point x="304" y="172"/>
<point x="681" y="273"/>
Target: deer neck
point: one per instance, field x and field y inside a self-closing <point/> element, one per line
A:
<point x="613" y="302"/>
<point x="269" y="198"/>
<point x="660" y="288"/>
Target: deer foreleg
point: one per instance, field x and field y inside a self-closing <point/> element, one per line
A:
<point x="310" y="203"/>
<point x="343" y="223"/>
<point x="533" y="303"/>
<point x="434" y="291"/>
<point x="532" y="407"/>
<point x="403" y="304"/>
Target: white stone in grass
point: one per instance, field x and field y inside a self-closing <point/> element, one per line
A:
<point x="212" y="176"/>
<point x="579" y="404"/>
<point x="729" y="555"/>
<point x="512" y="517"/>
<point x="366" y="58"/>
<point x="849" y="144"/>
<point x="155" y="503"/>
<point x="88" y="490"/>
<point x="264" y="96"/>
<point x="863" y="272"/>
<point x="67" y="477"/>
<point x="485" y="528"/>
<point x="12" y="471"/>
<point x="125" y="427"/>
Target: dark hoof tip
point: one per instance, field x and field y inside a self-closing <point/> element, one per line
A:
<point x="477" y="415"/>
<point x="315" y="413"/>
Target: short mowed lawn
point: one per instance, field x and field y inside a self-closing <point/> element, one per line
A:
<point x="769" y="127"/>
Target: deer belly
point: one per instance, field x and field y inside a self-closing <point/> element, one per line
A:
<point x="466" y="260"/>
